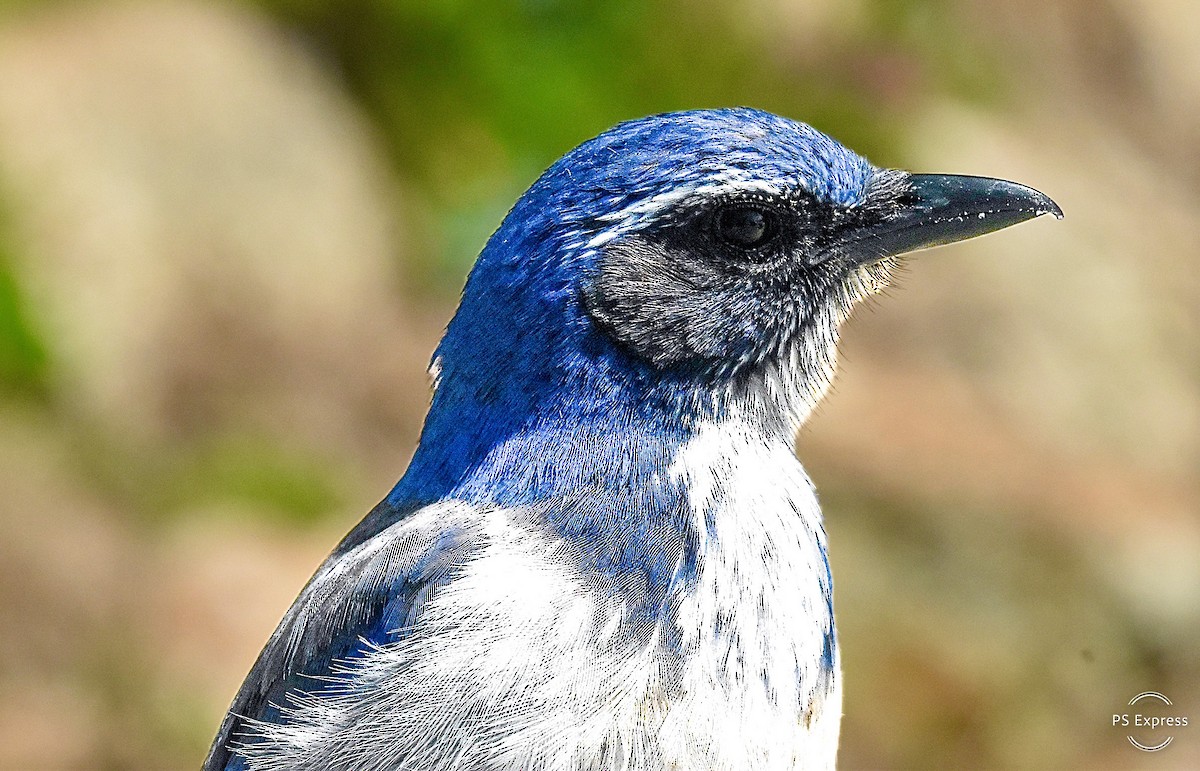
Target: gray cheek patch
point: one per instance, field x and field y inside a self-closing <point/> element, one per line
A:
<point x="666" y="306"/>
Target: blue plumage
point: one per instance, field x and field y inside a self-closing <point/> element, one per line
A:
<point x="603" y="554"/>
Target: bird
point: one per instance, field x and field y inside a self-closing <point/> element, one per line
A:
<point x="604" y="554"/>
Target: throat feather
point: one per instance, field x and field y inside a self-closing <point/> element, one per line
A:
<point x="758" y="620"/>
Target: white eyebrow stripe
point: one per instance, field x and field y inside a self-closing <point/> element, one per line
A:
<point x="602" y="238"/>
<point x="656" y="203"/>
<point x="628" y="218"/>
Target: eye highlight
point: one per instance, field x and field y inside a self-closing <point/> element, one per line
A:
<point x="744" y="226"/>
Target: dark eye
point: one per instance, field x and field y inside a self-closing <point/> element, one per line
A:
<point x="744" y="226"/>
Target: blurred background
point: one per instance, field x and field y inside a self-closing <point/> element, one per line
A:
<point x="231" y="233"/>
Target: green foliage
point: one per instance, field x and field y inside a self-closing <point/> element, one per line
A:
<point x="248" y="473"/>
<point x="296" y="487"/>
<point x="23" y="357"/>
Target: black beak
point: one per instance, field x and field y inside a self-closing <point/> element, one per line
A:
<point x="939" y="209"/>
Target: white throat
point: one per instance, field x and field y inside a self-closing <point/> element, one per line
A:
<point x="758" y="625"/>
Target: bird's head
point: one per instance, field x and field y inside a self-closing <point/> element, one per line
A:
<point x="706" y="258"/>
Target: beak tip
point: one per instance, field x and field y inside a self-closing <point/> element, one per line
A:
<point x="1045" y="205"/>
<point x="1033" y="201"/>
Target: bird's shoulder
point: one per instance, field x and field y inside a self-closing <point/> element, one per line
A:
<point x="368" y="593"/>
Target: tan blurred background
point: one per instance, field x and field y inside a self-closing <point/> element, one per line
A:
<point x="230" y="234"/>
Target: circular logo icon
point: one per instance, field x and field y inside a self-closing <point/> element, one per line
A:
<point x="1152" y="721"/>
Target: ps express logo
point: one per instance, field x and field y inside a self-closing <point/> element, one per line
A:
<point x="1150" y="726"/>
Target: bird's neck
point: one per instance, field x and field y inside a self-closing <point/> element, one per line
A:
<point x="699" y="517"/>
<point x="534" y="442"/>
<point x="489" y="451"/>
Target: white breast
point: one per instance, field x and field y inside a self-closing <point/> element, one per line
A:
<point x="518" y="663"/>
<point x="758" y="696"/>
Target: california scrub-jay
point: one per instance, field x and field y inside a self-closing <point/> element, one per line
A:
<point x="604" y="554"/>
